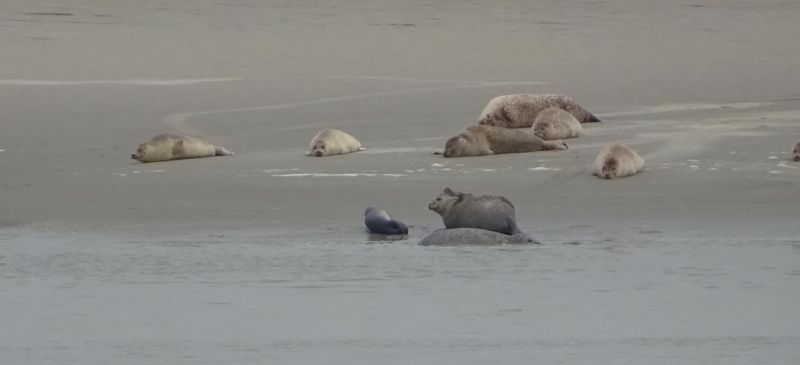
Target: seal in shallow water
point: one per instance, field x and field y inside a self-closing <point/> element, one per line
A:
<point x="473" y="236"/>
<point x="616" y="160"/>
<point x="464" y="210"/>
<point x="796" y="152"/>
<point x="379" y="222"/>
<point x="333" y="142"/>
<point x="482" y="140"/>
<point x="520" y="110"/>
<point x="165" y="147"/>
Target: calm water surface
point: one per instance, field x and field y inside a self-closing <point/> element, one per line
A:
<point x="207" y="298"/>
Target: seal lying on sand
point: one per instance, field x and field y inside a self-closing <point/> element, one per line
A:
<point x="554" y="123"/>
<point x="616" y="160"/>
<point x="165" y="147"/>
<point x="333" y="142"/>
<point x="481" y="140"/>
<point x="379" y="222"/>
<point x="473" y="236"/>
<point x="520" y="110"/>
<point x="464" y="210"/>
<point x="796" y="152"/>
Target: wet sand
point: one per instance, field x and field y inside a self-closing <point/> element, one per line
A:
<point x="705" y="91"/>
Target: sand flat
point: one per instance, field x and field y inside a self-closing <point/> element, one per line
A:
<point x="261" y="256"/>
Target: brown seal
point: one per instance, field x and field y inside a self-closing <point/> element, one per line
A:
<point x="554" y="123"/>
<point x="520" y="110"/>
<point x="616" y="160"/>
<point x="333" y="142"/>
<point x="796" y="152"/>
<point x="481" y="140"/>
<point x="165" y="147"/>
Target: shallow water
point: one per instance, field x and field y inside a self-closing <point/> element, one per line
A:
<point x="246" y="297"/>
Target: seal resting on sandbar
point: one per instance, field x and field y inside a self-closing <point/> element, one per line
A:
<point x="554" y="123"/>
<point x="464" y="210"/>
<point x="796" y="152"/>
<point x="520" y="110"/>
<point x="473" y="236"/>
<point x="379" y="222"/>
<point x="616" y="160"/>
<point x="482" y="140"/>
<point x="165" y="147"/>
<point x="333" y="142"/>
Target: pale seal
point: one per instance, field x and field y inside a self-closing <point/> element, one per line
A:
<point x="165" y="147"/>
<point x="473" y="236"/>
<point x="333" y="142"/>
<point x="481" y="140"/>
<point x="379" y="222"/>
<point x="796" y="152"/>
<point x="520" y="110"/>
<point x="616" y="160"/>
<point x="554" y="123"/>
<point x="464" y="210"/>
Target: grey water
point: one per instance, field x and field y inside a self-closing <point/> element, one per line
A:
<point x="304" y="298"/>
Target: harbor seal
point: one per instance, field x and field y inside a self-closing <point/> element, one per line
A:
<point x="482" y="140"/>
<point x="165" y="147"/>
<point x="520" y="110"/>
<point x="333" y="142"/>
<point x="796" y="152"/>
<point x="554" y="123"/>
<point x="464" y="210"/>
<point x="473" y="236"/>
<point x="616" y="160"/>
<point x="379" y="222"/>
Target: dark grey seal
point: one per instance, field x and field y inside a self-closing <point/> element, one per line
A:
<point x="473" y="236"/>
<point x="464" y="210"/>
<point x="379" y="222"/>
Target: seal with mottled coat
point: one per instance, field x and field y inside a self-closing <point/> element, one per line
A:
<point x="379" y="222"/>
<point x="520" y="110"/>
<point x="554" y="123"/>
<point x="165" y="147"/>
<point x="473" y="236"/>
<point x="333" y="142"/>
<point x="616" y="160"/>
<point x="796" y="152"/>
<point x="464" y="210"/>
<point x="482" y="140"/>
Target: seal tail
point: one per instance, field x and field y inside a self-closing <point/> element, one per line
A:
<point x="221" y="151"/>
<point x="592" y="119"/>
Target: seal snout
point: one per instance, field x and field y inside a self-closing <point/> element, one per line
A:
<point x="317" y="153"/>
<point x="133" y="156"/>
<point x="797" y="158"/>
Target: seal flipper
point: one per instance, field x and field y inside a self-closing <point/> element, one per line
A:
<point x="592" y="119"/>
<point x="221" y="151"/>
<point x="398" y="227"/>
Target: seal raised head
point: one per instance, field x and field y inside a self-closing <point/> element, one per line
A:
<point x="616" y="160"/>
<point x="464" y="210"/>
<point x="554" y="123"/>
<point x="165" y="147"/>
<point x="473" y="236"/>
<point x="520" y="110"/>
<point x="481" y="140"/>
<point x="379" y="222"/>
<point x="796" y="152"/>
<point x="333" y="142"/>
